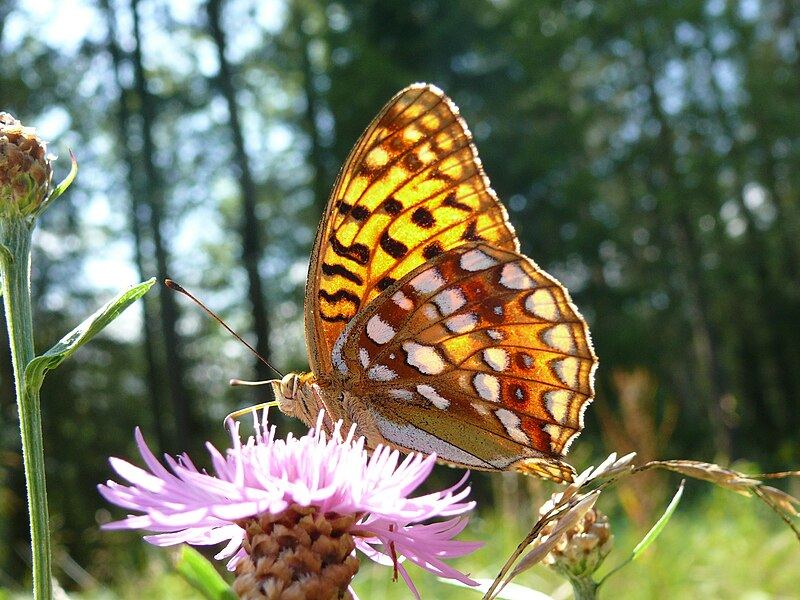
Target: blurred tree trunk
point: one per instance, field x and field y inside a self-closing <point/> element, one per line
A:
<point x="788" y="18"/>
<point x="773" y="252"/>
<point x="154" y="204"/>
<point x="778" y="175"/>
<point x="249" y="226"/>
<point x="321" y="182"/>
<point x="760" y="347"/>
<point x="667" y="184"/>
<point x="155" y="375"/>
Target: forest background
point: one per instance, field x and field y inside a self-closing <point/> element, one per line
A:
<point x="647" y="151"/>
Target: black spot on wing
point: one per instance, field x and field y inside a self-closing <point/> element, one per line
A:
<point x="341" y="295"/>
<point x="341" y="271"/>
<point x="390" y="120"/>
<point x="452" y="201"/>
<point x="412" y="162"/>
<point x="470" y="233"/>
<point x="432" y="250"/>
<point x="343" y="207"/>
<point x="396" y="144"/>
<point x="392" y="247"/>
<point x="358" y="253"/>
<point x="392" y="206"/>
<point x="338" y="317"/>
<point x="359" y="213"/>
<point x="385" y="282"/>
<point x="445" y="177"/>
<point x="422" y="217"/>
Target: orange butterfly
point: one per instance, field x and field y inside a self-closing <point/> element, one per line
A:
<point x="425" y="325"/>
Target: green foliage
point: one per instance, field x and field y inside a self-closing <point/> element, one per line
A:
<point x="651" y="535"/>
<point x="201" y="574"/>
<point x="725" y="546"/>
<point x="38" y="367"/>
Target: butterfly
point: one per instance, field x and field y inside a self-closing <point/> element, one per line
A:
<point x="425" y="325"/>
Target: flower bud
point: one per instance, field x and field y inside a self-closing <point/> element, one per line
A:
<point x="582" y="549"/>
<point x="25" y="169"/>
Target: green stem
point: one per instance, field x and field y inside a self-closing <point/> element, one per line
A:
<point x="583" y="588"/>
<point x="15" y="235"/>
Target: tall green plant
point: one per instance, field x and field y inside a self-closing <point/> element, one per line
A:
<point x="25" y="192"/>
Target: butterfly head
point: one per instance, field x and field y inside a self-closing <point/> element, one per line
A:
<point x="296" y="397"/>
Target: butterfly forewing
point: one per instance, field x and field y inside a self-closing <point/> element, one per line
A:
<point x="480" y="347"/>
<point x="412" y="189"/>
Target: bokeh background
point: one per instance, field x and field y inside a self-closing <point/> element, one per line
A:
<point x="648" y="153"/>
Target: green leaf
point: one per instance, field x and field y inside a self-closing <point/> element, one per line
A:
<point x="61" y="187"/>
<point x="202" y="575"/>
<point x="36" y="369"/>
<point x="660" y="524"/>
<point x="651" y="535"/>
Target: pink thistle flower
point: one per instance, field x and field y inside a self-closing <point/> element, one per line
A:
<point x="324" y="487"/>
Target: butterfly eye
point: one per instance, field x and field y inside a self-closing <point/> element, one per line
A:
<point x="293" y="381"/>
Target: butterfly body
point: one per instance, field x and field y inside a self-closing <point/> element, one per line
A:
<point x="426" y="327"/>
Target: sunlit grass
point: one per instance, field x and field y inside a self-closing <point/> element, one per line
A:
<point x="726" y="546"/>
<point x="722" y="546"/>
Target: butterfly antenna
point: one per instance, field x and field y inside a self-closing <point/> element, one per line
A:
<point x="178" y="288"/>
<point x="251" y="409"/>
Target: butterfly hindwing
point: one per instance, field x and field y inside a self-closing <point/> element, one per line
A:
<point x="471" y="443"/>
<point x="477" y="345"/>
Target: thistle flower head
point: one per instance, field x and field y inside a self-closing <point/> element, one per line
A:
<point x="583" y="547"/>
<point x="25" y="169"/>
<point x="292" y="511"/>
